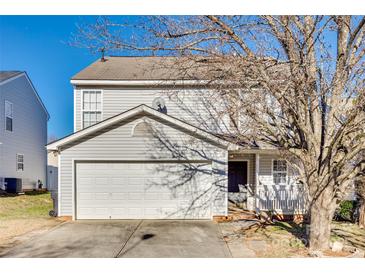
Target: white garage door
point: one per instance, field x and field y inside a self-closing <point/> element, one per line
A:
<point x="143" y="190"/>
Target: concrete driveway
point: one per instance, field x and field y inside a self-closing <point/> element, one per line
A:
<point x="127" y="238"/>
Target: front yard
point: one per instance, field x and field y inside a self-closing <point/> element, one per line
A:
<point x="286" y="239"/>
<point x="22" y="216"/>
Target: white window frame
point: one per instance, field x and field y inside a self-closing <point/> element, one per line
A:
<point x="280" y="172"/>
<point x="82" y="110"/>
<point x="11" y="117"/>
<point x="17" y="162"/>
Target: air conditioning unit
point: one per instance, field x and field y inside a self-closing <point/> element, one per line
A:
<point x="2" y="183"/>
<point x="14" y="185"/>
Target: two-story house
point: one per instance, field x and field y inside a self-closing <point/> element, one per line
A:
<point x="137" y="153"/>
<point x="23" y="127"/>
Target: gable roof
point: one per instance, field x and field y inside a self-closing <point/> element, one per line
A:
<point x="171" y="70"/>
<point x="141" y="109"/>
<point x="136" y="68"/>
<point x="7" y="76"/>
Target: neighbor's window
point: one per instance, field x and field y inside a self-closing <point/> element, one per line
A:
<point x="19" y="162"/>
<point x="8" y="116"/>
<point x="280" y="171"/>
<point x="91" y="108"/>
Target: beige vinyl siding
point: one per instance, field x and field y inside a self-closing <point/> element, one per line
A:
<point x="29" y="135"/>
<point x="118" y="143"/>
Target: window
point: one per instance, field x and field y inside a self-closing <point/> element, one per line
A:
<point x="8" y="116"/>
<point x="19" y="162"/>
<point x="280" y="171"/>
<point x="91" y="108"/>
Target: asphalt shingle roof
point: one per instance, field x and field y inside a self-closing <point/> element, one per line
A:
<point x="144" y="68"/>
<point x="5" y="75"/>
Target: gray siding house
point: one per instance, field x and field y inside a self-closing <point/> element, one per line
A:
<point x="23" y="127"/>
<point x="138" y="153"/>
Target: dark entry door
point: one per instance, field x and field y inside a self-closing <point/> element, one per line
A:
<point x="237" y="174"/>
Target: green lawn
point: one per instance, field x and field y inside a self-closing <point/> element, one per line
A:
<point x="30" y="205"/>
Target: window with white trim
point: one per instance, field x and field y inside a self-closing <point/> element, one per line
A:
<point x="280" y="172"/>
<point x="20" y="162"/>
<point x="8" y="116"/>
<point x="91" y="107"/>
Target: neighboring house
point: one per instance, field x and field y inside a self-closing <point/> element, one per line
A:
<point x="23" y="127"/>
<point x="137" y="154"/>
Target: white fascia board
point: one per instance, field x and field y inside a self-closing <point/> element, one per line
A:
<point x="130" y="113"/>
<point x="140" y="82"/>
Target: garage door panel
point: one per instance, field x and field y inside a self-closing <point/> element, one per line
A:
<point x="93" y="212"/>
<point x="136" y="212"/>
<point x="101" y="180"/>
<point x="102" y="196"/>
<point x="85" y="180"/>
<point x="86" y="196"/>
<point x="119" y="196"/>
<point x="152" y="196"/>
<point x="119" y="212"/>
<point x="136" y="196"/>
<point x="142" y="190"/>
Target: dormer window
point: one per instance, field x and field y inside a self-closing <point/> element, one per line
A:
<point x="91" y="107"/>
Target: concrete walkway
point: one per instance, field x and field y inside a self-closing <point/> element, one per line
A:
<point x="239" y="248"/>
<point x="127" y="238"/>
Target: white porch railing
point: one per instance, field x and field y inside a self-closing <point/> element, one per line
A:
<point x="285" y="199"/>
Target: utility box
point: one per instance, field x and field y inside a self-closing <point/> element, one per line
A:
<point x="13" y="185"/>
<point x="54" y="196"/>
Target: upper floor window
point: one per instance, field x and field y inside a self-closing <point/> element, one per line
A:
<point x="280" y="172"/>
<point x="8" y="116"/>
<point x="20" y="162"/>
<point x="91" y="108"/>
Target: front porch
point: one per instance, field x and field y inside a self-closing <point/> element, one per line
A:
<point x="262" y="181"/>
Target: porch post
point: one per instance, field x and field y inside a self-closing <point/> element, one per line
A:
<point x="251" y="199"/>
<point x="257" y="179"/>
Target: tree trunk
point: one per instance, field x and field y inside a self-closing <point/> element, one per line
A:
<point x="362" y="214"/>
<point x="321" y="214"/>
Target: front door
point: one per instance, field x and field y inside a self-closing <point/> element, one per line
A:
<point x="237" y="175"/>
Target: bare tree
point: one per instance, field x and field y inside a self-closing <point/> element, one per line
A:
<point x="299" y="80"/>
<point x="360" y="191"/>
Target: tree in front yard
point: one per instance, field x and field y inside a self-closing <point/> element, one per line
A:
<point x="360" y="191"/>
<point x="291" y="82"/>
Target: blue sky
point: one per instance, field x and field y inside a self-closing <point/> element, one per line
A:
<point x="38" y="45"/>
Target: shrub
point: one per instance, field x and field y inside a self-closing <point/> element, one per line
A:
<point x="345" y="211"/>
